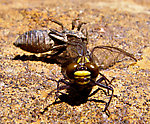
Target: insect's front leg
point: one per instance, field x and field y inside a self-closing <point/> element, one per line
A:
<point x="106" y="87"/>
<point x="106" y="79"/>
<point x="60" y="88"/>
<point x="107" y="82"/>
<point x="94" y="92"/>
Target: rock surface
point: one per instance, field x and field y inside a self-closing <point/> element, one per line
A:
<point x="24" y="85"/>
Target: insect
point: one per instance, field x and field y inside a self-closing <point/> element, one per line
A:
<point x="81" y="75"/>
<point x="82" y="66"/>
<point x="40" y="41"/>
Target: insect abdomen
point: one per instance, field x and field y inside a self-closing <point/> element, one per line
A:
<point x="35" y="41"/>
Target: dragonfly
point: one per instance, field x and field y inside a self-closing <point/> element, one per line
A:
<point x="81" y="73"/>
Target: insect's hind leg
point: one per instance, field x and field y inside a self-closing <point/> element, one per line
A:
<point x="107" y="82"/>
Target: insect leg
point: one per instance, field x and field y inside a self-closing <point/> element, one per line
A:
<point x="56" y="102"/>
<point x="59" y="23"/>
<point x="94" y="92"/>
<point x="102" y="101"/>
<point x="74" y="23"/>
<point x="106" y="80"/>
<point x="59" y="88"/>
<point x="106" y="87"/>
<point x="55" y="32"/>
<point x="84" y="31"/>
<point x="56" y="50"/>
<point x="103" y="78"/>
<point x="80" y="25"/>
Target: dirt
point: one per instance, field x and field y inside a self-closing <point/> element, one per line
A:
<point x="24" y="84"/>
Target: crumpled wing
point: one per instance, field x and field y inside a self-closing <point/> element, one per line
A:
<point x="76" y="46"/>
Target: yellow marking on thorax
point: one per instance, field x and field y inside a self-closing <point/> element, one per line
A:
<point x="87" y="60"/>
<point x="83" y="60"/>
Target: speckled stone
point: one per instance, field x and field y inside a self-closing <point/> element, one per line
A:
<point x="24" y="85"/>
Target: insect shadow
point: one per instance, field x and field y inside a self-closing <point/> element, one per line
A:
<point x="51" y="60"/>
<point x="47" y="58"/>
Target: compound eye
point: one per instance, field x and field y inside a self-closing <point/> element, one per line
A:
<point x="93" y="69"/>
<point x="71" y="68"/>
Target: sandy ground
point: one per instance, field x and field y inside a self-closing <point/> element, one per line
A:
<point x="24" y="85"/>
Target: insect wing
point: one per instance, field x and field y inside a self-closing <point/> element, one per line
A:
<point x="106" y="56"/>
<point x="76" y="46"/>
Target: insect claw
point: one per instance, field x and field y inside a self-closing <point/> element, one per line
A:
<point x="107" y="112"/>
<point x="56" y="95"/>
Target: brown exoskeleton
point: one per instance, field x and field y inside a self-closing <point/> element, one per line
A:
<point x="40" y="41"/>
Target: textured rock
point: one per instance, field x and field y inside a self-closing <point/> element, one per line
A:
<point x="24" y="85"/>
